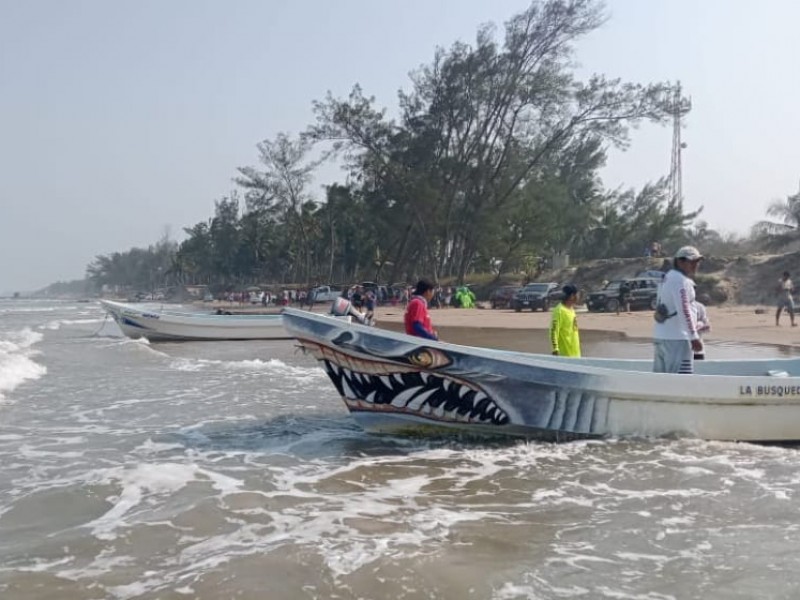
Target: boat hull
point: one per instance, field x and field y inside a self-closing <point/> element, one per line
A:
<point x="393" y="383"/>
<point x="159" y="325"/>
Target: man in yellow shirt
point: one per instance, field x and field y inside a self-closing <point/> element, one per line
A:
<point x="564" y="338"/>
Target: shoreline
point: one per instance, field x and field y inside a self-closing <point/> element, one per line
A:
<point x="736" y="323"/>
<point x="728" y="324"/>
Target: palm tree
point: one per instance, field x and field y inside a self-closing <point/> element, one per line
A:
<point x="785" y="229"/>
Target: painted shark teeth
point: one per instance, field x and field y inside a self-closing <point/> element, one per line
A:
<point x="372" y="385"/>
<point x="417" y="402"/>
<point x="403" y="397"/>
<point x="348" y="392"/>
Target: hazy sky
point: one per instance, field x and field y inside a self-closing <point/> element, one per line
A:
<point x="119" y="119"/>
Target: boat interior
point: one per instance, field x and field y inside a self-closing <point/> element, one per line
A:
<point x="756" y="367"/>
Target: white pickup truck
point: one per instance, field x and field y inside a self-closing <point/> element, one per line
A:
<point x="326" y="293"/>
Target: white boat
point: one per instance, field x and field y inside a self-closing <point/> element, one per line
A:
<point x="160" y="324"/>
<point x="395" y="383"/>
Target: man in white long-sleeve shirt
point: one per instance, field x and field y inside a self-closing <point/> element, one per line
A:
<point x="676" y="339"/>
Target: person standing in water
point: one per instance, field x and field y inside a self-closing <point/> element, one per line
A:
<point x="703" y="326"/>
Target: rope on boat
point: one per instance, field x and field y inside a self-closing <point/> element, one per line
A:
<point x="103" y="324"/>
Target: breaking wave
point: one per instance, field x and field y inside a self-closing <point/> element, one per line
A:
<point x="16" y="364"/>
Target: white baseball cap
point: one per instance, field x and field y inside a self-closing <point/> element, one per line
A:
<point x="689" y="253"/>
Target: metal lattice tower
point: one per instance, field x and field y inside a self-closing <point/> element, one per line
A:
<point x="679" y="107"/>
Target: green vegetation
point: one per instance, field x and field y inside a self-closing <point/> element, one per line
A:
<point x="785" y="232"/>
<point x="137" y="269"/>
<point x="491" y="162"/>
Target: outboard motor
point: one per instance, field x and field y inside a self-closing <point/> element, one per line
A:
<point x="342" y="307"/>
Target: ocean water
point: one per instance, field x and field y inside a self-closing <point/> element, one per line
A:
<point x="212" y="470"/>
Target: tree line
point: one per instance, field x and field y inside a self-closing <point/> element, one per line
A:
<point x="491" y="161"/>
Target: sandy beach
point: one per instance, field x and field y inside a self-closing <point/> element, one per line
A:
<point x="733" y="323"/>
<point x="728" y="323"/>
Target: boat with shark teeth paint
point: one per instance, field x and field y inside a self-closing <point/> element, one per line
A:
<point x="396" y="383"/>
<point x="163" y="325"/>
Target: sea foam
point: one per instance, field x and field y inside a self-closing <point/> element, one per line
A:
<point x="272" y="365"/>
<point x="143" y="481"/>
<point x="57" y="324"/>
<point x="16" y="364"/>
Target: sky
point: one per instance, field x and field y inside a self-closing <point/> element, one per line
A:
<point x="122" y="120"/>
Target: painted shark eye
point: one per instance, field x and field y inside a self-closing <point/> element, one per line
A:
<point x="428" y="358"/>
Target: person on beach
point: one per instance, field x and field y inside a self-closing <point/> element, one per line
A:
<point x="448" y="297"/>
<point x="357" y="297"/>
<point x="417" y="319"/>
<point x="369" y="305"/>
<point x="623" y="300"/>
<point x="564" y="337"/>
<point x="310" y="299"/>
<point x="703" y="326"/>
<point x="785" y="300"/>
<point x="675" y="335"/>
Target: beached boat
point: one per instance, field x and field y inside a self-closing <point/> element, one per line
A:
<point x="395" y="383"/>
<point x="161" y="324"/>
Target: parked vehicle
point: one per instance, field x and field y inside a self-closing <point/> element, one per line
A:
<point x="643" y="294"/>
<point x="503" y="296"/>
<point x="537" y="296"/>
<point x="326" y="293"/>
<point x="651" y="274"/>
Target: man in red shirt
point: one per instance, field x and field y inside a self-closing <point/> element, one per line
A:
<point x="417" y="319"/>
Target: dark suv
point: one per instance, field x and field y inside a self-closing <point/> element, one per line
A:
<point x="536" y="295"/>
<point x="503" y="296"/>
<point x="642" y="294"/>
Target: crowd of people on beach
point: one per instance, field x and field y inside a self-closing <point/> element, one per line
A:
<point x="360" y="302"/>
<point x="363" y="297"/>
<point x="367" y="298"/>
